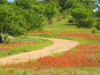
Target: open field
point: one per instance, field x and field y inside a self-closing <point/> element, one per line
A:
<point x="84" y="59"/>
<point x="49" y="37"/>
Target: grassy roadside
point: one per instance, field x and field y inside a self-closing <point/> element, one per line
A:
<point x="23" y="44"/>
<point x="79" y="39"/>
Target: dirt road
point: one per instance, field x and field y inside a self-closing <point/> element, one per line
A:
<point x="59" y="45"/>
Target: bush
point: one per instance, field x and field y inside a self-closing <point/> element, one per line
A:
<point x="71" y="20"/>
<point x="65" y="14"/>
<point x="68" y="4"/>
<point x="81" y="13"/>
<point x="33" y="20"/>
<point x="33" y="13"/>
<point x="59" y="19"/>
<point x="93" y="31"/>
<point x="11" y="22"/>
<point x="86" y="23"/>
<point x="51" y="10"/>
<point x="97" y="14"/>
<point x="98" y="24"/>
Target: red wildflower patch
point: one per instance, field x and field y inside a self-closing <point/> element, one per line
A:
<point x="4" y="49"/>
<point x="77" y="35"/>
<point x="96" y="38"/>
<point x="81" y="56"/>
<point x="86" y="36"/>
<point x="21" y="43"/>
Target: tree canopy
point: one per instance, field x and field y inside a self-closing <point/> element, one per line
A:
<point x="19" y="17"/>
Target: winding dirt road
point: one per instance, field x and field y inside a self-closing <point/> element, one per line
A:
<point x="59" y="45"/>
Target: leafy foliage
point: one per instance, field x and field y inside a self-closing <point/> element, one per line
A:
<point x="98" y="24"/>
<point x="10" y="22"/>
<point x="51" y="10"/>
<point x="21" y="16"/>
<point x="3" y="1"/>
<point x="69" y="4"/>
<point x="81" y="13"/>
<point x="83" y="17"/>
<point x="71" y="20"/>
<point x="86" y="23"/>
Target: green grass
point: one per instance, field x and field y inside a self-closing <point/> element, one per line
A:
<point x="56" y="27"/>
<point x="79" y="39"/>
<point x="40" y="43"/>
<point x="57" y="54"/>
<point x="51" y="71"/>
<point x="59" y="27"/>
<point x="64" y="26"/>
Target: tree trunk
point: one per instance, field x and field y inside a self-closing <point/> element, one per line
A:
<point x="1" y="39"/>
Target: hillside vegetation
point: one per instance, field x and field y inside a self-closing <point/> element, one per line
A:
<point x="64" y="19"/>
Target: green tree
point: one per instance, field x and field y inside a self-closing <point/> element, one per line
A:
<point x="98" y="24"/>
<point x="3" y="1"/>
<point x="24" y="3"/>
<point x="86" y="3"/>
<point x="10" y="22"/>
<point x="81" y="13"/>
<point x="33" y="13"/>
<point x="51" y="10"/>
<point x="69" y="4"/>
<point x="97" y="14"/>
<point x="33" y="20"/>
<point x="83" y="17"/>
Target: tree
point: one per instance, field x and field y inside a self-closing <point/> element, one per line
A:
<point x="10" y="22"/>
<point x="69" y="4"/>
<point x="83" y="17"/>
<point x="3" y="1"/>
<point x="97" y="14"/>
<point x="98" y="24"/>
<point x="25" y="3"/>
<point x="33" y="13"/>
<point x="86" y="3"/>
<point x="81" y="13"/>
<point x="33" y="20"/>
<point x="51" y="10"/>
<point x="21" y="16"/>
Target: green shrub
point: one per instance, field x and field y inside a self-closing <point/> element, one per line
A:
<point x="86" y="23"/>
<point x="33" y="13"/>
<point x="33" y="20"/>
<point x="97" y="14"/>
<point x="65" y="14"/>
<point x="59" y="19"/>
<point x="93" y="31"/>
<point x="81" y="13"/>
<point x="71" y="20"/>
<point x="11" y="22"/>
<point x="68" y="4"/>
<point x="98" y="24"/>
<point x="51" y="10"/>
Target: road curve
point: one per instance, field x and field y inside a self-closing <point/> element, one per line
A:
<point x="59" y="45"/>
